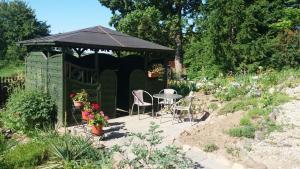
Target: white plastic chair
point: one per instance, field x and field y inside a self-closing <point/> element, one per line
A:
<point x="178" y="107"/>
<point x="138" y="96"/>
<point x="166" y="101"/>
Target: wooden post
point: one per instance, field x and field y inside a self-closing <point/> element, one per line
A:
<point x="64" y="107"/>
<point x="47" y="70"/>
<point x="98" y="75"/>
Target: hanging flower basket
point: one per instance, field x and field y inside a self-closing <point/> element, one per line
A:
<point x="97" y="130"/>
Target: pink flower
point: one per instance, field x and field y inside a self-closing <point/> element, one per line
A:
<point x="95" y="106"/>
<point x="91" y="116"/>
<point x="101" y="113"/>
<point x="106" y="118"/>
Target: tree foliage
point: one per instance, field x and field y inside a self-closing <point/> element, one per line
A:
<point x="18" y="22"/>
<point x="163" y="22"/>
<point x="242" y="35"/>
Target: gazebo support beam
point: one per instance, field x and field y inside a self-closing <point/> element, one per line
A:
<point x="79" y="51"/>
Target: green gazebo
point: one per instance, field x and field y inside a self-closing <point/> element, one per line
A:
<point x="68" y="62"/>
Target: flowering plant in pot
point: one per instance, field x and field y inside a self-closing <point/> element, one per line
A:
<point x="97" y="120"/>
<point x="88" y="109"/>
<point x="79" y="98"/>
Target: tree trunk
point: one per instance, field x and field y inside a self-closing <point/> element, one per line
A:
<point x="178" y="55"/>
<point x="178" y="40"/>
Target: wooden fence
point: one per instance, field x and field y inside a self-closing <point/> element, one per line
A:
<point x="5" y="83"/>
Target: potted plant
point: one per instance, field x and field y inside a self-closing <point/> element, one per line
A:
<point x="156" y="71"/>
<point x="87" y="110"/>
<point x="79" y="98"/>
<point x="97" y="120"/>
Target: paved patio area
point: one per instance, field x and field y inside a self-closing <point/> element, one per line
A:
<point x="119" y="128"/>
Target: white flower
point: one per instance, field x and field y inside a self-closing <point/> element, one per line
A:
<point x="255" y="77"/>
<point x="236" y="84"/>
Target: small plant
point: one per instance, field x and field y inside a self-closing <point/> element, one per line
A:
<point x="29" y="109"/>
<point x="210" y="148"/>
<point x="243" y="131"/>
<point x="234" y="151"/>
<point x="213" y="106"/>
<point x="239" y="104"/>
<point x="96" y="118"/>
<point x="68" y="151"/>
<point x="245" y="121"/>
<point x="26" y="155"/>
<point x="146" y="153"/>
<point x="80" y="96"/>
<point x="182" y="87"/>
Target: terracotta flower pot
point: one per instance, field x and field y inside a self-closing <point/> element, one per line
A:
<point x="85" y="115"/>
<point x="153" y="74"/>
<point x="97" y="130"/>
<point x="78" y="104"/>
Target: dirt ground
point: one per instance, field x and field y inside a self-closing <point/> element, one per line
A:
<point x="279" y="150"/>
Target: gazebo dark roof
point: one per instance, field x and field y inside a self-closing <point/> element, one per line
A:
<point x="97" y="37"/>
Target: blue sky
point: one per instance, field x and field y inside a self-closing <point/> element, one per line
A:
<point x="68" y="15"/>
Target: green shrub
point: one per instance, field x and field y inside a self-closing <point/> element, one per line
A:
<point x="279" y="98"/>
<point x="257" y="112"/>
<point x="270" y="78"/>
<point x="2" y="143"/>
<point x="182" y="87"/>
<point x="243" y="131"/>
<point x="238" y="104"/>
<point x="26" y="155"/>
<point x="245" y="121"/>
<point x="77" y="151"/>
<point x="210" y="148"/>
<point x="147" y="152"/>
<point x="28" y="109"/>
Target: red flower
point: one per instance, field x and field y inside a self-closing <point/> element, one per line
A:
<point x="86" y="113"/>
<point x="95" y="106"/>
<point x="106" y="118"/>
<point x="72" y="95"/>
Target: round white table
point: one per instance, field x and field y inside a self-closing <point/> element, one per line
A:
<point x="167" y="96"/>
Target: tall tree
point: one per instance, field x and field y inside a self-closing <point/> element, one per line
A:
<point x="165" y="22"/>
<point x="18" y="22"/>
<point x="241" y="35"/>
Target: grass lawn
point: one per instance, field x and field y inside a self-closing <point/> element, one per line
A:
<point x="10" y="69"/>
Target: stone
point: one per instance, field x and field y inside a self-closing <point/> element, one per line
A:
<point x="273" y="115"/>
<point x="271" y="90"/>
<point x="186" y="147"/>
<point x="237" y="166"/>
<point x="116" y="159"/>
<point x="259" y="135"/>
<point x="8" y="134"/>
